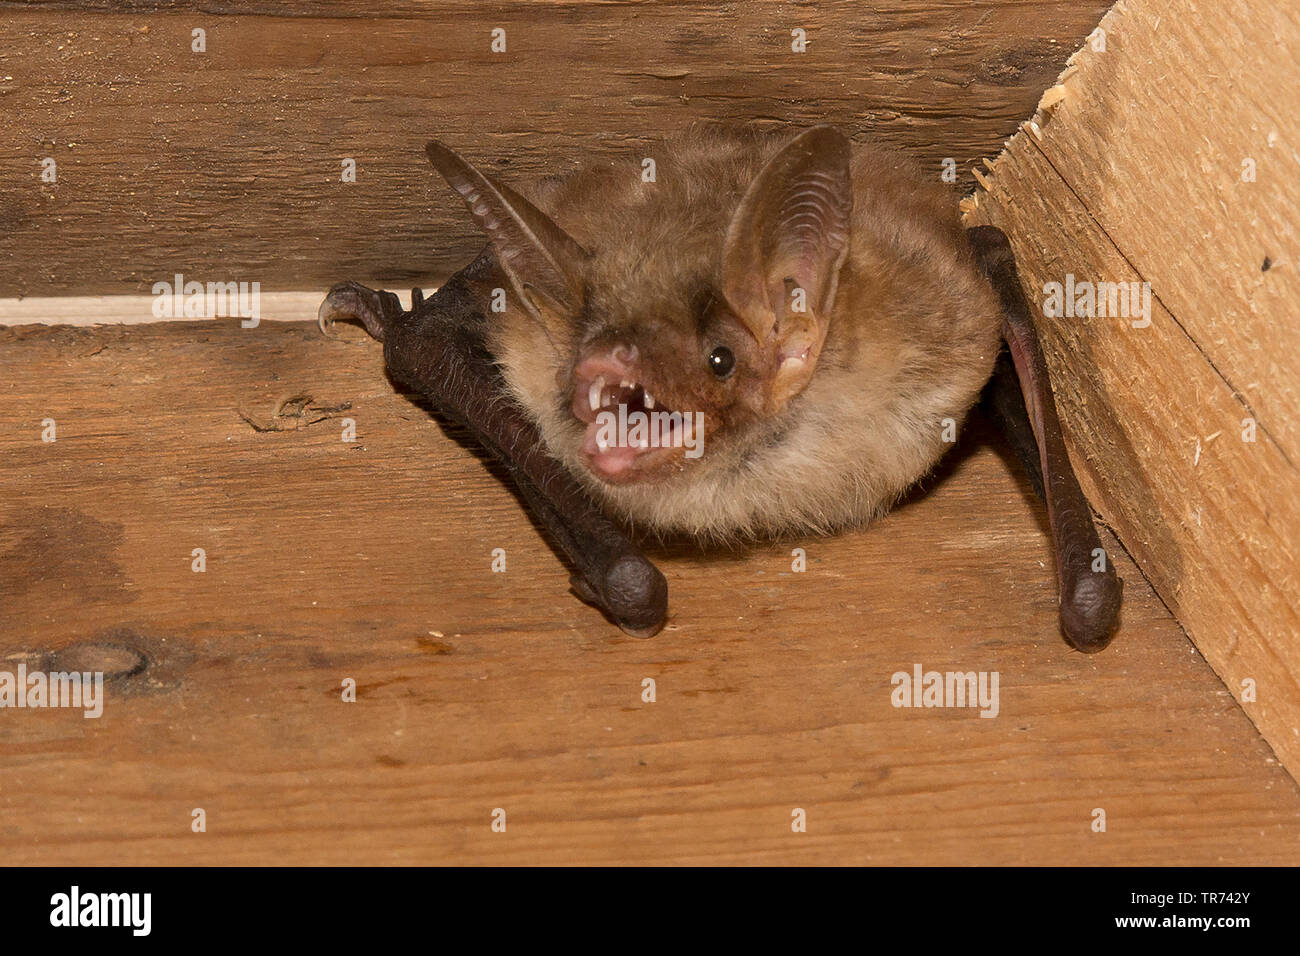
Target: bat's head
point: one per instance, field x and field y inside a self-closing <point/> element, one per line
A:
<point x="690" y="330"/>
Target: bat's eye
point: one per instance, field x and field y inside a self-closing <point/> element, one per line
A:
<point x="721" y="362"/>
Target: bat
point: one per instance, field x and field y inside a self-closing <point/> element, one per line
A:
<point x="771" y="334"/>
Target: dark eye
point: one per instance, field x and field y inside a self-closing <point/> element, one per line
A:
<point x="721" y="361"/>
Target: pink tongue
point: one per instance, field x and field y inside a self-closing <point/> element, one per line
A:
<point x="613" y="460"/>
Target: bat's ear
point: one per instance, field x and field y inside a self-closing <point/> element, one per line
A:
<point x="535" y="253"/>
<point x="784" y="248"/>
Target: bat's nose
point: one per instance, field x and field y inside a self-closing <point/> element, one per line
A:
<point x="606" y="371"/>
<point x="617" y="363"/>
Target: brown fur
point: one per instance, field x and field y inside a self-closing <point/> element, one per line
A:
<point x="911" y="338"/>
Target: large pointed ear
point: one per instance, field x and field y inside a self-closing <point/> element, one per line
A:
<point x="784" y="248"/>
<point x="536" y="254"/>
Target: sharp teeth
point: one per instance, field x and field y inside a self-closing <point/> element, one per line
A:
<point x="649" y="401"/>
<point x="593" y="393"/>
<point x="626" y="383"/>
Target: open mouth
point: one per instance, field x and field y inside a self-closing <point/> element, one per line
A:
<point x="611" y="448"/>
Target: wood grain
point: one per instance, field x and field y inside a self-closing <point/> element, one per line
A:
<point x="1157" y="415"/>
<point x="371" y="560"/>
<point x="226" y="165"/>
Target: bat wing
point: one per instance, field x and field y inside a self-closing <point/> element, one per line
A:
<point x="1089" y="599"/>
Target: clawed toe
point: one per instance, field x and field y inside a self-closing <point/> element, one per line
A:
<point x="351" y="300"/>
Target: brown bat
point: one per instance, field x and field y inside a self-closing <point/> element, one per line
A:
<point x="774" y="334"/>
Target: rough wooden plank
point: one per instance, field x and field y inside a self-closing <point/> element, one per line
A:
<point x="371" y="560"/>
<point x="226" y="165"/>
<point x="1155" y="421"/>
<point x="1182" y="96"/>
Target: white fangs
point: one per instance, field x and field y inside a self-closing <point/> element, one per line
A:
<point x="596" y="393"/>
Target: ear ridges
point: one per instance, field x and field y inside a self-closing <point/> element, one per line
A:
<point x="532" y="249"/>
<point x="793" y="223"/>
<point x="813" y="231"/>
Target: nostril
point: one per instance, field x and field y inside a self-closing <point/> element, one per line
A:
<point x="613" y="362"/>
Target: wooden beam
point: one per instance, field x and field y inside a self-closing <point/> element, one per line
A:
<point x="137" y="309"/>
<point x="371" y="560"/>
<point x="1184" y="430"/>
<point x="226" y="165"/>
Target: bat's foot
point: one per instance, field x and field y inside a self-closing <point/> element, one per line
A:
<point x="1090" y="611"/>
<point x="351" y="300"/>
<point x="633" y="592"/>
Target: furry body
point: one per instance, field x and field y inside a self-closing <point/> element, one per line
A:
<point x="913" y="334"/>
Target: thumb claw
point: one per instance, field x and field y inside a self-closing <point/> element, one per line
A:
<point x="351" y="300"/>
